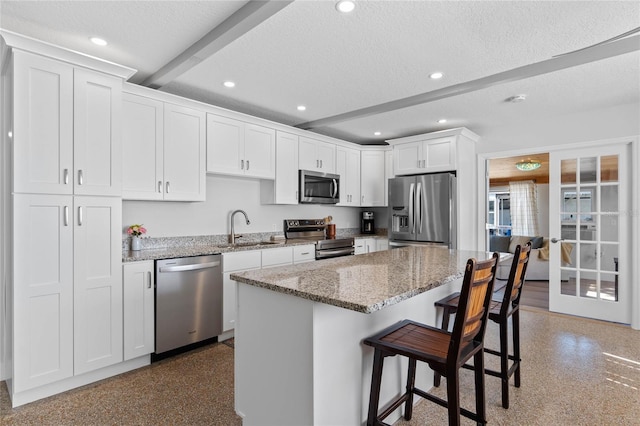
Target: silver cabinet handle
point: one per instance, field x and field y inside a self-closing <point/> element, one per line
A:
<point x="247" y="164"/>
<point x="80" y="216"/>
<point x="66" y="215"/>
<point x="241" y="164"/>
<point x="320" y="163"/>
<point x="149" y="279"/>
<point x="160" y="186"/>
<point x="306" y="253"/>
<point x="66" y="176"/>
<point x="424" y="163"/>
<point x="167" y="187"/>
<point x="80" y="177"/>
<point x="296" y="195"/>
<point x="556" y="240"/>
<point x="362" y="199"/>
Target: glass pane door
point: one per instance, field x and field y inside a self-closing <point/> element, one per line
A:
<point x="588" y="224"/>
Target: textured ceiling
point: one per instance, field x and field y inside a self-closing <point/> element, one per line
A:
<point x="309" y="54"/>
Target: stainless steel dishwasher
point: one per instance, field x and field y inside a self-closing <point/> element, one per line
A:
<point x="188" y="300"/>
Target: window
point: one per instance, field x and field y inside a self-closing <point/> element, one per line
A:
<point x="499" y="218"/>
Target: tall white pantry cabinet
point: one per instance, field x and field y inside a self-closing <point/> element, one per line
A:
<point x="64" y="223"/>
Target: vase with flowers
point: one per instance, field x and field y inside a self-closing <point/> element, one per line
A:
<point x="136" y="231"/>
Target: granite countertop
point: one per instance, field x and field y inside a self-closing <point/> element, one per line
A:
<point x="369" y="282"/>
<point x="194" y="247"/>
<point x="201" y="250"/>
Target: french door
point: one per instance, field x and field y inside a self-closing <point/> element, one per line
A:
<point x="589" y="227"/>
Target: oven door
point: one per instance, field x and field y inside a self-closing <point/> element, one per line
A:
<point x="318" y="188"/>
<point x="337" y="252"/>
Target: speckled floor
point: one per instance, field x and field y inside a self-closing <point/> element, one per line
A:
<point x="574" y="372"/>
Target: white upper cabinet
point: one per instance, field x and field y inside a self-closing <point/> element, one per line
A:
<point x="164" y="151"/>
<point x="426" y="156"/>
<point x="284" y="189"/>
<point x="241" y="149"/>
<point x="316" y="155"/>
<point x="348" y="167"/>
<point x="142" y="141"/>
<point x="184" y="153"/>
<point x="372" y="181"/>
<point x="97" y="146"/>
<point x="66" y="128"/>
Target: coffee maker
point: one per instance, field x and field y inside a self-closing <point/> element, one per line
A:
<point x="367" y="226"/>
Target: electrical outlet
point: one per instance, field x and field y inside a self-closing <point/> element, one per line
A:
<point x="273" y="227"/>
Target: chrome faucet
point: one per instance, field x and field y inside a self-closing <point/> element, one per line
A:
<point x="233" y="236"/>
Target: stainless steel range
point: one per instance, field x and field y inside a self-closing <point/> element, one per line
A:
<point x="314" y="230"/>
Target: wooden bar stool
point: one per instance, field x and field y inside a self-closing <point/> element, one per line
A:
<point x="444" y="351"/>
<point x="501" y="308"/>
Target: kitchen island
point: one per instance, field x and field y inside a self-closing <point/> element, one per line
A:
<point x="299" y="357"/>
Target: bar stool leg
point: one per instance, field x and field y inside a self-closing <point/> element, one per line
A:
<point x="445" y="326"/>
<point x="504" y="362"/>
<point x="376" y="381"/>
<point x="516" y="345"/>
<point x="411" y="380"/>
<point x="453" y="396"/>
<point x="478" y="367"/>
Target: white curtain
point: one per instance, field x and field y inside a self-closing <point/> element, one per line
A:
<point x="524" y="208"/>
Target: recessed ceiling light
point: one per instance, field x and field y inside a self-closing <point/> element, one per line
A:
<point x="436" y="75"/>
<point x="229" y="84"/>
<point x="377" y="133"/>
<point x="302" y="108"/>
<point x="99" y="41"/>
<point x="345" y="6"/>
<point x="442" y="120"/>
<point x="516" y="98"/>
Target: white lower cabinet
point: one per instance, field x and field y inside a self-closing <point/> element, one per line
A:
<point x="370" y="245"/>
<point x="138" y="309"/>
<point x="68" y="308"/>
<point x="256" y="259"/>
<point x="235" y="262"/>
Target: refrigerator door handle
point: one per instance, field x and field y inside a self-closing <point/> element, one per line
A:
<point x="419" y="206"/>
<point x="412" y="218"/>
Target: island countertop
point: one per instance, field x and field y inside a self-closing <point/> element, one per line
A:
<point x="366" y="283"/>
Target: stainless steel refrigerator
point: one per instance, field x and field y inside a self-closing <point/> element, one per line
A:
<point x="422" y="209"/>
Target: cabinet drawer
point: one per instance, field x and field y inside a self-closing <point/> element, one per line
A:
<point x="304" y="253"/>
<point x="277" y="256"/>
<point x="241" y="261"/>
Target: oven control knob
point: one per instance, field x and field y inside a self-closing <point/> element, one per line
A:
<point x="321" y="222"/>
<point x="296" y="223"/>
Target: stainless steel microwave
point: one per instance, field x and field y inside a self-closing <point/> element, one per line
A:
<point x="319" y="188"/>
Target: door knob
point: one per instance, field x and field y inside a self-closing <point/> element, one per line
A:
<point x="556" y="240"/>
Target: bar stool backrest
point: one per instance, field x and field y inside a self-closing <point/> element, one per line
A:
<point x="516" y="279"/>
<point x="473" y="307"/>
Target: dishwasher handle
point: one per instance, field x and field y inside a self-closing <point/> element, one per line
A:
<point x="192" y="267"/>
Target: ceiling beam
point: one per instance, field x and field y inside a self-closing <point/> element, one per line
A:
<point x="581" y="57"/>
<point x="235" y="26"/>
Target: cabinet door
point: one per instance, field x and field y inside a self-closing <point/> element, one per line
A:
<point x="372" y="182"/>
<point x="142" y="154"/>
<point x="43" y="125"/>
<point x="382" y="244"/>
<point x="308" y="154"/>
<point x="305" y="253"/>
<point x="407" y="158"/>
<point x="225" y="145"/>
<point x="286" y="183"/>
<point x="360" y="246"/>
<point x="97" y="141"/>
<point x="43" y="290"/>
<point x="138" y="309"/>
<point x="184" y="154"/>
<point x="388" y="174"/>
<point x="348" y="167"/>
<point x="259" y="151"/>
<point x="439" y="155"/>
<point x="235" y="262"/>
<point x="327" y="157"/>
<point x="97" y="272"/>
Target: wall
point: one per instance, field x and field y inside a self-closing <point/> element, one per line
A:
<point x="225" y="194"/>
